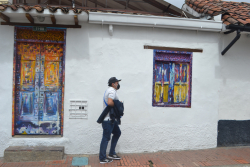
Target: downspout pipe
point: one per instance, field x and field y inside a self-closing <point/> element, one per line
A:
<point x="232" y="43"/>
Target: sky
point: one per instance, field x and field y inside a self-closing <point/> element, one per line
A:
<point x="179" y="3"/>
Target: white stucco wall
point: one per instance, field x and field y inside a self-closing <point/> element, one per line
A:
<point x="6" y="68"/>
<point x="93" y="56"/>
<point x="234" y="73"/>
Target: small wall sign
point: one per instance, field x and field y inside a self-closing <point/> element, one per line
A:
<point x="78" y="109"/>
<point x="40" y="29"/>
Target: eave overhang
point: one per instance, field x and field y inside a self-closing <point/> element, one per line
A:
<point x="56" y="19"/>
<point x="155" y="21"/>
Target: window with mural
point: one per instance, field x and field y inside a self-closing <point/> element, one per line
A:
<point x="172" y="78"/>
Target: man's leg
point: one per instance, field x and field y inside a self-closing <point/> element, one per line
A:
<point x="116" y="134"/>
<point x="107" y="130"/>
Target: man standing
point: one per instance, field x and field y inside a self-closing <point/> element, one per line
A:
<point x="109" y="127"/>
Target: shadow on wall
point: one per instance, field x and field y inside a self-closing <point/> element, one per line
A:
<point x="7" y="44"/>
<point x="77" y="43"/>
<point x="151" y="34"/>
<point x="234" y="65"/>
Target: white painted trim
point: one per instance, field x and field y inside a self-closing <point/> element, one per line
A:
<point x="155" y="21"/>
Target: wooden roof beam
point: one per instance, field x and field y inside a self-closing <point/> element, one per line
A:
<point x="173" y="48"/>
<point x="162" y="7"/>
<point x="4" y="17"/>
<point x="78" y="3"/>
<point x="29" y="17"/>
<point x="99" y="3"/>
<point x="128" y="5"/>
<point x="41" y="25"/>
<point x="76" y="20"/>
<point x="53" y="19"/>
<point x="93" y="1"/>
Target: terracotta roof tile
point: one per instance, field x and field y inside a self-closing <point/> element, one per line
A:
<point x="197" y="10"/>
<point x="235" y="17"/>
<point x="233" y="12"/>
<point x="38" y="8"/>
<point x="243" y="17"/>
<point x="196" y="3"/>
<point x="206" y="10"/>
<point x="225" y="17"/>
<point x="226" y="22"/>
<point x="231" y="20"/>
<point x="242" y="21"/>
<point x="192" y="1"/>
<point x="210" y="12"/>
<point x="216" y="13"/>
<point x="248" y="20"/>
<point x="216" y="9"/>
<point x="66" y="10"/>
<point x="201" y="5"/>
<point x="202" y="10"/>
<point x="244" y="14"/>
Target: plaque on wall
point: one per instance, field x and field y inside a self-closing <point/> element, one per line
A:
<point x="78" y="109"/>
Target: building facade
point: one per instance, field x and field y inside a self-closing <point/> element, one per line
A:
<point x="176" y="85"/>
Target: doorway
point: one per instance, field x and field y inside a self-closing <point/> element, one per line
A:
<point x="39" y="85"/>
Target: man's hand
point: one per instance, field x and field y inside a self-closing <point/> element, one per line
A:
<point x="110" y="102"/>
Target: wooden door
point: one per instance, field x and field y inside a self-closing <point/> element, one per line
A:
<point x="50" y="88"/>
<point x="39" y="88"/>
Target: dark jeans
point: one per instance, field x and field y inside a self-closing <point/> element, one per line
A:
<point x="109" y="128"/>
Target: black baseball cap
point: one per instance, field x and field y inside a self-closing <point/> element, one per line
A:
<point x="113" y="80"/>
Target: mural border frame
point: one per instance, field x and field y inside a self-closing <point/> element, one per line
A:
<point x="14" y="71"/>
<point x="173" y="59"/>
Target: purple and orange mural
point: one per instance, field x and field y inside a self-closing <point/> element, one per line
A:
<point x="38" y="84"/>
<point x="172" y="79"/>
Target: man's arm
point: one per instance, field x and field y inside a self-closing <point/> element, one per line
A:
<point x="110" y="102"/>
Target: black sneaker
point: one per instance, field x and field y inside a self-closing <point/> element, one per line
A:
<point x="106" y="161"/>
<point x="114" y="157"/>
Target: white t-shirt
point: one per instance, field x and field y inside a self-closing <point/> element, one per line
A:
<point x="110" y="93"/>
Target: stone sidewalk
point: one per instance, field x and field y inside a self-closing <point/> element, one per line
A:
<point x="226" y="156"/>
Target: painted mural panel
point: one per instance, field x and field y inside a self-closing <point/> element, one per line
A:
<point x="172" y="85"/>
<point x="26" y="104"/>
<point x="53" y="52"/>
<point x="162" y="82"/>
<point x="38" y="109"/>
<point x="28" y="75"/>
<point x="26" y="114"/>
<point x="28" y="51"/>
<point x="157" y="92"/>
<point x="165" y="92"/>
<point x="51" y="112"/>
<point x="26" y="127"/>
<point x="177" y="93"/>
<point x="49" y="127"/>
<point x="38" y="81"/>
<point x="51" y="73"/>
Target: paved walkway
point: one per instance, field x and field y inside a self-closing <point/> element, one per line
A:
<point x="237" y="156"/>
